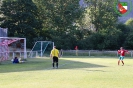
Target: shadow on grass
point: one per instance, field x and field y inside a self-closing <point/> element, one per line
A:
<point x="96" y="71"/>
<point x="44" y="64"/>
<point x="77" y="64"/>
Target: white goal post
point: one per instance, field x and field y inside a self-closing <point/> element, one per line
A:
<point x="41" y="48"/>
<point x="5" y="42"/>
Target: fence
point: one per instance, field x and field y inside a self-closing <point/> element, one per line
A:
<point x="29" y="54"/>
<point x="12" y="54"/>
<point x="35" y="54"/>
<point x="93" y="53"/>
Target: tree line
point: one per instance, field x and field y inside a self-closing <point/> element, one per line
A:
<point x="66" y="23"/>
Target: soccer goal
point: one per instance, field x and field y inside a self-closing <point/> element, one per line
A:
<point x="41" y="48"/>
<point x="11" y="47"/>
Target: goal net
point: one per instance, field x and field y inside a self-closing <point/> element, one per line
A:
<point x="41" y="48"/>
<point x="11" y="47"/>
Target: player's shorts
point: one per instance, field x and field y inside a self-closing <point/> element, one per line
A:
<point x="121" y="57"/>
<point x="55" y="59"/>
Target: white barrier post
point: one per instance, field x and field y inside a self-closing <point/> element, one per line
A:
<point x="89" y="53"/>
<point x="20" y="54"/>
<point x="13" y="55"/>
<point x="131" y="53"/>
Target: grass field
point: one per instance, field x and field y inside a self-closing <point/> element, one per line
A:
<point x="78" y="72"/>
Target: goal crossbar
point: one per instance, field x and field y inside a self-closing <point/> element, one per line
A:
<point x="4" y="46"/>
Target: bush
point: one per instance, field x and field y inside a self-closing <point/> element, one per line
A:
<point x="129" y="41"/>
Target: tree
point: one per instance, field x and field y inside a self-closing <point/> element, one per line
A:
<point x="129" y="41"/>
<point x="85" y="22"/>
<point x="21" y="18"/>
<point x="102" y="14"/>
<point x="95" y="41"/>
<point x="60" y="14"/>
<point x="129" y="23"/>
<point x="112" y="39"/>
<point x="129" y="34"/>
<point x="60" y="18"/>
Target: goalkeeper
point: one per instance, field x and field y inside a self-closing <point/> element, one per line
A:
<point x="54" y="55"/>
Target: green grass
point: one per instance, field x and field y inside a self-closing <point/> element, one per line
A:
<point x="78" y="72"/>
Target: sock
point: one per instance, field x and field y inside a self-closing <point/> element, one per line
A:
<point x="53" y="64"/>
<point x="57" y="65"/>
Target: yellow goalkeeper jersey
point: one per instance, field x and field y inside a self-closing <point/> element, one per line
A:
<point x="55" y="53"/>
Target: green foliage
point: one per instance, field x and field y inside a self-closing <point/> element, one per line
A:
<point x="129" y="35"/>
<point x="63" y="40"/>
<point x="60" y="14"/>
<point x="124" y="33"/>
<point x="102" y="14"/>
<point x="21" y="19"/>
<point x="66" y="23"/>
<point x="129" y="41"/>
<point x="102" y="40"/>
<point x="95" y="41"/>
<point x="60" y="19"/>
<point x="129" y="24"/>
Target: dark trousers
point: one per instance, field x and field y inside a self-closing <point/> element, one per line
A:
<point x="55" y="60"/>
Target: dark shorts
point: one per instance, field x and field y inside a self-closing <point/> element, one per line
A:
<point x="55" y="59"/>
